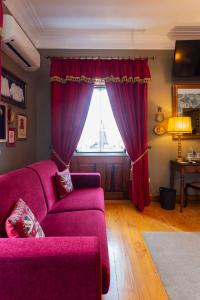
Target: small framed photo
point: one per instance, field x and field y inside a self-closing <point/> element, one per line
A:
<point x="21" y="127"/>
<point x="13" y="89"/>
<point x="11" y="137"/>
<point x="3" y="122"/>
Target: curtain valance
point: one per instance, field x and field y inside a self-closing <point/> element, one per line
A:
<point x="109" y="70"/>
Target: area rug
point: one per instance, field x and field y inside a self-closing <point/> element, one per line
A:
<point x="177" y="259"/>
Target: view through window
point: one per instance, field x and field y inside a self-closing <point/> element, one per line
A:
<point x="100" y="133"/>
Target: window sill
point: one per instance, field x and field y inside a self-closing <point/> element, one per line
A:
<point x="99" y="154"/>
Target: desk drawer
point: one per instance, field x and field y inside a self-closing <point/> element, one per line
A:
<point x="192" y="169"/>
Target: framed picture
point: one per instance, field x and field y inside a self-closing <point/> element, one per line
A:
<point x="159" y="116"/>
<point x="11" y="137"/>
<point x="3" y="122"/>
<point x="13" y="89"/>
<point x="11" y="116"/>
<point x="21" y="127"/>
<point x="186" y="102"/>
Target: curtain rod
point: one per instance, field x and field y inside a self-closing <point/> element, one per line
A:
<point x="100" y="57"/>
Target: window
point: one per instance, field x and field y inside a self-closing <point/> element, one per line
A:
<point x="100" y="133"/>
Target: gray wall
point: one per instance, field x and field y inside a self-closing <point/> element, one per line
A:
<point x="24" y="152"/>
<point x="163" y="148"/>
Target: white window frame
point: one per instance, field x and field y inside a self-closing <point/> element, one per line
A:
<point x="98" y="85"/>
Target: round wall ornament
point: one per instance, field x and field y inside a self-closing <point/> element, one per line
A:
<point x="159" y="129"/>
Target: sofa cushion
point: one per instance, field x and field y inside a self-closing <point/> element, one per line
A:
<point x="64" y="184"/>
<point x="46" y="170"/>
<point x="22" y="222"/>
<point x="81" y="199"/>
<point x="25" y="184"/>
<point x="86" y="180"/>
<point x="81" y="223"/>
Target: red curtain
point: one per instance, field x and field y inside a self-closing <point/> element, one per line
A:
<point x="129" y="105"/>
<point x="70" y="104"/>
<point x="126" y="83"/>
<point x="1" y="26"/>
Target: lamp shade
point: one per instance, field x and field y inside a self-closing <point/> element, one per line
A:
<point x="179" y="125"/>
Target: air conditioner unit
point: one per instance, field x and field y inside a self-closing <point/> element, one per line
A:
<point x="18" y="46"/>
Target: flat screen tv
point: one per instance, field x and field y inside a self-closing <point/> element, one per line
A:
<point x="187" y="59"/>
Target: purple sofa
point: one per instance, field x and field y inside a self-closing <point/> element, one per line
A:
<point x="71" y="262"/>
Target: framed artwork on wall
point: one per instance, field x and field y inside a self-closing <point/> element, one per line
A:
<point x="11" y="137"/>
<point x="186" y="102"/>
<point x="11" y="116"/>
<point x="21" y="127"/>
<point x="13" y="89"/>
<point x="3" y="122"/>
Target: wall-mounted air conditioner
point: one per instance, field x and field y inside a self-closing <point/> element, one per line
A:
<point x="18" y="46"/>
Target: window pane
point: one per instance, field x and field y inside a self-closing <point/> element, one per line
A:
<point x="100" y="133"/>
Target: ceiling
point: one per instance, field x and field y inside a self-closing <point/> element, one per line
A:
<point x="107" y="24"/>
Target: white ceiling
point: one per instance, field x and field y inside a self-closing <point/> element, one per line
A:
<point x="107" y="24"/>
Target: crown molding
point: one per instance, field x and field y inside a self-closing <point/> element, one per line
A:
<point x="32" y="14"/>
<point x="105" y="40"/>
<point x="185" y="33"/>
<point x="51" y="38"/>
<point x="26" y="16"/>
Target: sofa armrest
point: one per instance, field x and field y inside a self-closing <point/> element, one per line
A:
<point x="86" y="180"/>
<point x="50" y="268"/>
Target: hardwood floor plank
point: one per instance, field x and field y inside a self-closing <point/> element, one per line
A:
<point x="136" y="277"/>
<point x="133" y="273"/>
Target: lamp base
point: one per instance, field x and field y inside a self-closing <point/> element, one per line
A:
<point x="179" y="159"/>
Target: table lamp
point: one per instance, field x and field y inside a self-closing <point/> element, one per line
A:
<point x="178" y="126"/>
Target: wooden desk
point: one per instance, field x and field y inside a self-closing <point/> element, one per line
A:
<point x="182" y="169"/>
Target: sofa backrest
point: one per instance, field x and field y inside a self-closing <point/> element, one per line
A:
<point x="46" y="170"/>
<point x="22" y="183"/>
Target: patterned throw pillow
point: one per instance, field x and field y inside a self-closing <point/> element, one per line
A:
<point x="64" y="183"/>
<point x="22" y="222"/>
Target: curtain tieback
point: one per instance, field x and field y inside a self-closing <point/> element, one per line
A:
<point x="58" y="157"/>
<point x="138" y="159"/>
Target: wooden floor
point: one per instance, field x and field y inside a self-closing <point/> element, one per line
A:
<point x="133" y="274"/>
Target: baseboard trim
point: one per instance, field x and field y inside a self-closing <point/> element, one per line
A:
<point x="190" y="197"/>
<point x="155" y="198"/>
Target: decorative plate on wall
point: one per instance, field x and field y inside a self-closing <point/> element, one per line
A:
<point x="159" y="130"/>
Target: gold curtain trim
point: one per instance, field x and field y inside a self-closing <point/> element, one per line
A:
<point x="59" y="158"/>
<point x="138" y="159"/>
<point x="106" y="79"/>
